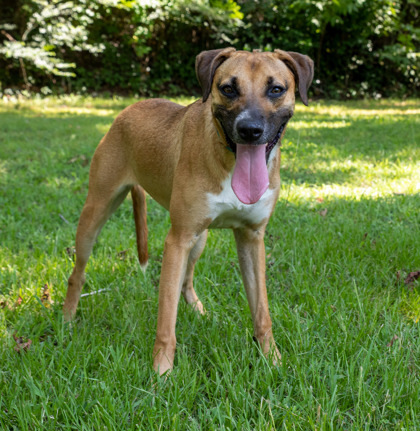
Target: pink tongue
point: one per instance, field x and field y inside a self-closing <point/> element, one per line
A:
<point x="250" y="176"/>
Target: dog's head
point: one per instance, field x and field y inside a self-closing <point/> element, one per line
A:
<point x="253" y="94"/>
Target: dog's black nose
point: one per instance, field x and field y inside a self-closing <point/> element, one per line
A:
<point x="249" y="131"/>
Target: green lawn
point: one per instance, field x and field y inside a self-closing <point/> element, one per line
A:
<point x="343" y="239"/>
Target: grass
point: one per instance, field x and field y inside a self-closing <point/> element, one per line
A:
<point x="343" y="239"/>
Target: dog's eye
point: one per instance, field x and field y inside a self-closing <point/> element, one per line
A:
<point x="228" y="90"/>
<point x="276" y="91"/>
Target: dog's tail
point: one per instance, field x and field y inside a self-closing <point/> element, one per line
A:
<point x="138" y="196"/>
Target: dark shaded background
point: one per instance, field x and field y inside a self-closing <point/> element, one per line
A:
<point x="360" y="47"/>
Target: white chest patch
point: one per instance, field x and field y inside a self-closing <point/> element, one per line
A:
<point x="227" y="211"/>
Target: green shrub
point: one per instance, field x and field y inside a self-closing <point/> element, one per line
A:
<point x="360" y="47"/>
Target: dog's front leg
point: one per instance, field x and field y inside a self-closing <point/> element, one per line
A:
<point x="175" y="258"/>
<point x="251" y="254"/>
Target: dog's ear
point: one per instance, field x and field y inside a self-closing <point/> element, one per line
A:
<point x="303" y="69"/>
<point x="206" y="64"/>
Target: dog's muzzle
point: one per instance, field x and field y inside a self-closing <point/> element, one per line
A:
<point x="256" y="132"/>
<point x="249" y="131"/>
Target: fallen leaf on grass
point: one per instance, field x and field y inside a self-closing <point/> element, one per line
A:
<point x="18" y="302"/>
<point x="323" y="213"/>
<point x="74" y="159"/>
<point x="122" y="254"/>
<point x="71" y="251"/>
<point x="6" y="304"/>
<point x="394" y="338"/>
<point x="271" y="263"/>
<point x="46" y="296"/>
<point x="413" y="276"/>
<point x="84" y="161"/>
<point x="22" y="343"/>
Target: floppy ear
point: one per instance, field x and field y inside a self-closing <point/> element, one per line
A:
<point x="206" y="64"/>
<point x="303" y="69"/>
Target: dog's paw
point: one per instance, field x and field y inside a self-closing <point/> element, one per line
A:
<point x="199" y="307"/>
<point x="275" y="356"/>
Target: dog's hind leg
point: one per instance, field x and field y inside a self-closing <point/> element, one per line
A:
<point x="107" y="190"/>
<point x="140" y="218"/>
<point x="188" y="291"/>
<point x="96" y="212"/>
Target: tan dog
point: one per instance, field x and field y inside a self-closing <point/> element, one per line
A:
<point x="212" y="164"/>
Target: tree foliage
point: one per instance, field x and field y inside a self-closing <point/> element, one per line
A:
<point x="360" y="47"/>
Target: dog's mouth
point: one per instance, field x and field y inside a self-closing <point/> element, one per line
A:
<point x="250" y="177"/>
<point x="268" y="146"/>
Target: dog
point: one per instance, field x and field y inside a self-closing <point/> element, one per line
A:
<point x="212" y="164"/>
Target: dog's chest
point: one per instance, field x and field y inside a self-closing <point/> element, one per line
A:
<point x="227" y="211"/>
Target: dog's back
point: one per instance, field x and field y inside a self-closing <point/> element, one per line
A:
<point x="141" y="137"/>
